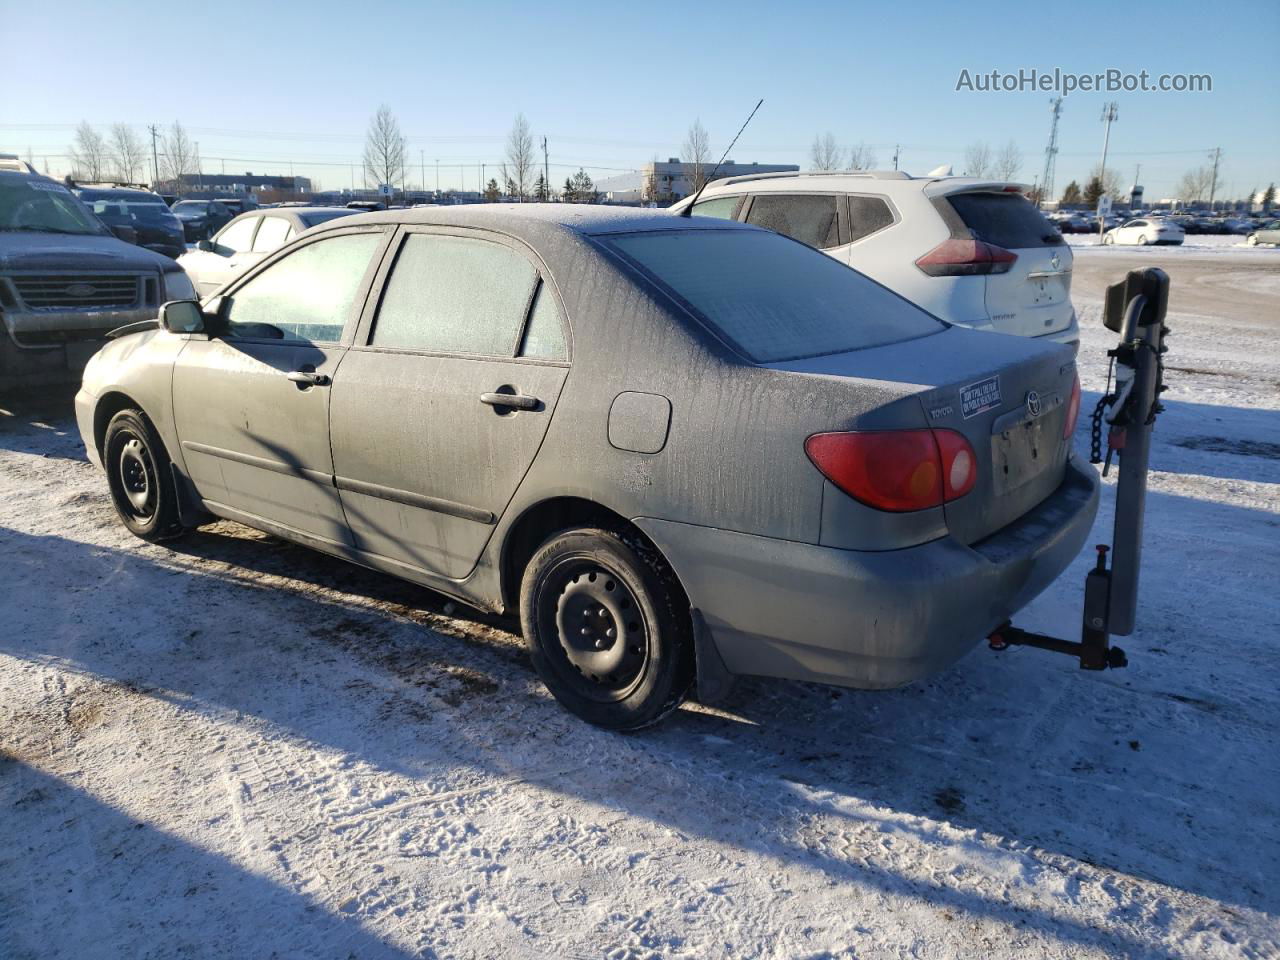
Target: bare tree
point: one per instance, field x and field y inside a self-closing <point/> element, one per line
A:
<point x="1195" y="184"/>
<point x="826" y="154"/>
<point x="1008" y="162"/>
<point x="517" y="170"/>
<point x="127" y="153"/>
<point x="384" y="149"/>
<point x="697" y="154"/>
<point x="978" y="161"/>
<point x="862" y="156"/>
<point x="179" y="155"/>
<point x="89" y="153"/>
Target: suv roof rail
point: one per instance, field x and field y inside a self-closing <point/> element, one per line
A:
<point x="11" y="162"/>
<point x="866" y="174"/>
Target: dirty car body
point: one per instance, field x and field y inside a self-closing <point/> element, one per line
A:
<point x="849" y="494"/>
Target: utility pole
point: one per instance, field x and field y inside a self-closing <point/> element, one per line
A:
<point x="437" y="176"/>
<point x="422" y="169"/>
<point x="1110" y="112"/>
<point x="546" y="170"/>
<point x="897" y="148"/>
<point x="1216" y="155"/>
<point x="155" y="158"/>
<point x="1050" y="153"/>
<point x="199" y="174"/>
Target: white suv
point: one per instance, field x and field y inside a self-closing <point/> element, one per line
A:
<point x="973" y="252"/>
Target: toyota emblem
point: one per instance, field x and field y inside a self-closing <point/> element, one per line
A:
<point x="1033" y="403"/>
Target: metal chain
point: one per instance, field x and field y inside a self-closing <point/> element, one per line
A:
<point x="1104" y="401"/>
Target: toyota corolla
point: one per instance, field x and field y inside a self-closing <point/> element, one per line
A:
<point x="678" y="448"/>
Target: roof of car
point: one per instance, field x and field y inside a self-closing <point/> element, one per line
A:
<point x="588" y="219"/>
<point x="856" y="181"/>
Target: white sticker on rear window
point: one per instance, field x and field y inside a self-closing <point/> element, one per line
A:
<point x="47" y="186"/>
<point x="979" y="397"/>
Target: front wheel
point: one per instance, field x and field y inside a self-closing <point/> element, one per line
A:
<point x="1108" y="239"/>
<point x="138" y="475"/>
<point x="1253" y="240"/>
<point x="607" y="627"/>
<point x="1142" y="240"/>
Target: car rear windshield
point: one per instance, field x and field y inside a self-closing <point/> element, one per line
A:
<point x="1008" y="220"/>
<point x="771" y="297"/>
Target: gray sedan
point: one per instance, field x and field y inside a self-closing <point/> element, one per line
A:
<point x="1268" y="232"/>
<point x="680" y="449"/>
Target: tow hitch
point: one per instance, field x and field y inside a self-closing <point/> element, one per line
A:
<point x="1135" y="309"/>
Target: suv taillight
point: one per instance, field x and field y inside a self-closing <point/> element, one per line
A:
<point x="966" y="257"/>
<point x="896" y="470"/>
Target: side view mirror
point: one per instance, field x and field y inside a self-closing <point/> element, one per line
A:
<point x="123" y="232"/>
<point x="182" y="316"/>
<point x="205" y="245"/>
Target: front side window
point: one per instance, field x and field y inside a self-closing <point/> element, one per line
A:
<point x="810" y="220"/>
<point x="237" y="237"/>
<point x="308" y="295"/>
<point x="771" y="298"/>
<point x="273" y="233"/>
<point x="723" y="208"/>
<point x="455" y="295"/>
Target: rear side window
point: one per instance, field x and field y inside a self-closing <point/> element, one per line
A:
<point x="772" y="298"/>
<point x="867" y="215"/>
<point x="1006" y="219"/>
<point x="544" y="336"/>
<point x="810" y="220"/>
<point x="455" y="295"/>
<point x="273" y="232"/>
<point x="723" y="208"/>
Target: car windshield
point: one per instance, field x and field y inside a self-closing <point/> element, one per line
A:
<point x="192" y="207"/>
<point x="771" y="297"/>
<point x="41" y="206"/>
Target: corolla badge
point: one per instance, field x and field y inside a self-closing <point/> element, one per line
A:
<point x="1055" y="262"/>
<point x="1033" y="403"/>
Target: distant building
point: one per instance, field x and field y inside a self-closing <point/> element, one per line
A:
<point x="665" y="183"/>
<point x="245" y="185"/>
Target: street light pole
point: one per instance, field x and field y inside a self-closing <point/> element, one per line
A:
<point x="1110" y="112"/>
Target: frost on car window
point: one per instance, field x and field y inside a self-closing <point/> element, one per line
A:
<point x="306" y="296"/>
<point x="810" y="220"/>
<point x="723" y="208"/>
<point x="773" y="298"/>
<point x="866" y="216"/>
<point x="1008" y="220"/>
<point x="455" y="295"/>
<point x="544" y="336"/>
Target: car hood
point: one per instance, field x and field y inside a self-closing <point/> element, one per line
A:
<point x="57" y="251"/>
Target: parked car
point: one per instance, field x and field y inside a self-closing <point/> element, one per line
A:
<point x="1268" y="233"/>
<point x="1146" y="231"/>
<point x="154" y="224"/>
<point x="247" y="239"/>
<point x="65" y="280"/>
<point x="973" y="252"/>
<point x="201" y="219"/>
<point x="678" y="447"/>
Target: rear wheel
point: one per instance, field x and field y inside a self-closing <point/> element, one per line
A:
<point x="1142" y="240"/>
<point x="138" y="475"/>
<point x="1253" y="240"/>
<point x="607" y="627"/>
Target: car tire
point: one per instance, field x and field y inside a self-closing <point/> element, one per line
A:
<point x="1253" y="240"/>
<point x="1108" y="240"/>
<point x="1142" y="240"/>
<point x="138" y="475"/>
<point x="607" y="627"/>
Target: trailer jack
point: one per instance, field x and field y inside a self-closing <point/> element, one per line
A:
<point x="1135" y="309"/>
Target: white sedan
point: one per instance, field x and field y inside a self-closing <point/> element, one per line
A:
<point x="1143" y="232"/>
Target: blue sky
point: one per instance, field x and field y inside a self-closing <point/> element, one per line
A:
<point x="613" y="85"/>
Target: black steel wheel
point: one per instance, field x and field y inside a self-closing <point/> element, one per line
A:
<point x="607" y="627"/>
<point x="137" y="468"/>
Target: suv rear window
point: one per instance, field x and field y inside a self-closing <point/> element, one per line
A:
<point x="1006" y="219"/>
<point x="772" y="298"/>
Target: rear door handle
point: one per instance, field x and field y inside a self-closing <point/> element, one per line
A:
<point x="516" y="401"/>
<point x="309" y="377"/>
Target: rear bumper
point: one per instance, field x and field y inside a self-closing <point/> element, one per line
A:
<point x="871" y="619"/>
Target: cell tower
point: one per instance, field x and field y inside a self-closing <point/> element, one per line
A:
<point x="1050" y="153"/>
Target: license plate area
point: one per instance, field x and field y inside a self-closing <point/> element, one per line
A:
<point x="1020" y="453"/>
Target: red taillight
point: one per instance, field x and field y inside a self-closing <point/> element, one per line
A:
<point x="896" y="470"/>
<point x="966" y="257"/>
<point x="1073" y="409"/>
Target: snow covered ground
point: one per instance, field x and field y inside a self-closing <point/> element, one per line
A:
<point x="231" y="747"/>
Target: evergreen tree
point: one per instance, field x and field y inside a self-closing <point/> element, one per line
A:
<point x="1268" y="198"/>
<point x="541" y="193"/>
<point x="584" y="189"/>
<point x="1072" y="193"/>
<point x="1093" y="190"/>
<point x="567" y="193"/>
<point x="491" y="192"/>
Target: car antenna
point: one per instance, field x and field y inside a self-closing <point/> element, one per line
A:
<point x="688" y="211"/>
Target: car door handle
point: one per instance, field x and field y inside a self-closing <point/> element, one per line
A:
<point x="309" y="377"/>
<point x="516" y="401"/>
